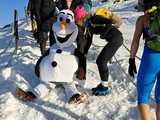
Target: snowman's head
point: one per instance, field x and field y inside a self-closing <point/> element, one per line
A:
<point x="65" y="29"/>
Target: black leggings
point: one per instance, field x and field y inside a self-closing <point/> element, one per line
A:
<point x="115" y="40"/>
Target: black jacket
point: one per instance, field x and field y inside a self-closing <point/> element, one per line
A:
<point x="44" y="12"/>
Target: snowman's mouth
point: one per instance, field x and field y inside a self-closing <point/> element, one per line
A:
<point x="62" y="40"/>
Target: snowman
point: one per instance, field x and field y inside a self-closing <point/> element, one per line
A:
<point x="59" y="64"/>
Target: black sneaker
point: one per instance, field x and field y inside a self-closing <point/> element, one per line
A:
<point x="101" y="90"/>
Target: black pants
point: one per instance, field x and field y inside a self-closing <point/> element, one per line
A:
<point x="115" y="40"/>
<point x="43" y="38"/>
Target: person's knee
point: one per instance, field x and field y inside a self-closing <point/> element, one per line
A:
<point x="100" y="61"/>
<point x="143" y="100"/>
<point x="143" y="95"/>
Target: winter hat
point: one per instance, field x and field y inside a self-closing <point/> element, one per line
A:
<point x="79" y="13"/>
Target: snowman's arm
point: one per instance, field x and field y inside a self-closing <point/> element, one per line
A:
<point x="37" y="68"/>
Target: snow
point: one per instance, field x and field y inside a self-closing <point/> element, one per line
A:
<point x="17" y="69"/>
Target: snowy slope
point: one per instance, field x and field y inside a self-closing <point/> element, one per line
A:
<point x="18" y="70"/>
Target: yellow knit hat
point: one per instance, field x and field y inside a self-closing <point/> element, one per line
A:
<point x="104" y="12"/>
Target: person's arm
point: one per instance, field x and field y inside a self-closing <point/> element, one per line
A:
<point x="83" y="45"/>
<point x="134" y="46"/>
<point x="136" y="37"/>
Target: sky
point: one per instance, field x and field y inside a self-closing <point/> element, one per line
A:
<point x="7" y="10"/>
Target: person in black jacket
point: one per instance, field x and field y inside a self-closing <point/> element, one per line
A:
<point x="44" y="14"/>
<point x="31" y="13"/>
<point x="105" y="24"/>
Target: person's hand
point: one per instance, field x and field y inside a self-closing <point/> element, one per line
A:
<point x="81" y="74"/>
<point x="132" y="67"/>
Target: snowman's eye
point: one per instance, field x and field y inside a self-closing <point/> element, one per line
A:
<point x="60" y="19"/>
<point x="68" y="20"/>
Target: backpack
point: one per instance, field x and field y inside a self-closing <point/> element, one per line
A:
<point x="154" y="41"/>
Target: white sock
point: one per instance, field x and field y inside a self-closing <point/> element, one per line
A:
<point x="104" y="83"/>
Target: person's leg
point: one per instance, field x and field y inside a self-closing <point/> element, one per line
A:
<point x="35" y="34"/>
<point x="144" y="111"/>
<point x="145" y="81"/>
<point x="83" y="45"/>
<point x="114" y="42"/>
<point x="43" y="47"/>
<point x="158" y="112"/>
<point x="51" y="38"/>
<point x="157" y="96"/>
<point x="43" y="37"/>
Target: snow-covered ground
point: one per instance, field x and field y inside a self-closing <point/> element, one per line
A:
<point x="17" y="69"/>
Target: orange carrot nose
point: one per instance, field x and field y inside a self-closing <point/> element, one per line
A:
<point x="63" y="25"/>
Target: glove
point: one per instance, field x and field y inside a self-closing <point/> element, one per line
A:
<point x="132" y="67"/>
<point x="101" y="90"/>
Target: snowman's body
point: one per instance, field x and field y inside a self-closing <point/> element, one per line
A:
<point x="65" y="65"/>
